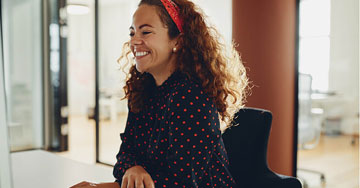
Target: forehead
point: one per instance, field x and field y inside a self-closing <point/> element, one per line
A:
<point x="146" y="14"/>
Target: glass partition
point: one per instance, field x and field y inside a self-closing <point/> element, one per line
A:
<point x="328" y="123"/>
<point x="21" y="21"/>
<point x="5" y="173"/>
<point x="114" y="21"/>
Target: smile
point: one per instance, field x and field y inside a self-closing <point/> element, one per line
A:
<point x="141" y="54"/>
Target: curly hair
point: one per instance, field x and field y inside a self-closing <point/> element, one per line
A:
<point x="201" y="56"/>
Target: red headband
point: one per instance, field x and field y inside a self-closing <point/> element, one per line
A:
<point x="173" y="11"/>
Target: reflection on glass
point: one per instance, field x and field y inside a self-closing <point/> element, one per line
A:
<point x="22" y="47"/>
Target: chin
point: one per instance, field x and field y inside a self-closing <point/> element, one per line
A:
<point x="139" y="68"/>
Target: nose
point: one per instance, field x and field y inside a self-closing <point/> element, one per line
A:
<point x="135" y="40"/>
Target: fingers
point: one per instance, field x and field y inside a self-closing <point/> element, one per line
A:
<point x="148" y="182"/>
<point x="131" y="183"/>
<point x="124" y="182"/>
<point x="137" y="177"/>
<point x="128" y="182"/>
<point x="84" y="184"/>
<point x="80" y="184"/>
<point x="139" y="183"/>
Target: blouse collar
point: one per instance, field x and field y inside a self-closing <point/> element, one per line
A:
<point x="170" y="82"/>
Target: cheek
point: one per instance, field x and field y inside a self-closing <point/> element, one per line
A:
<point x="164" y="49"/>
<point x="159" y="47"/>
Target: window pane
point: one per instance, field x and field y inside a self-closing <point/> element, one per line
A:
<point x="314" y="18"/>
<point x="5" y="172"/>
<point x="115" y="18"/>
<point x="314" y="52"/>
<point x="23" y="65"/>
<point x="314" y="59"/>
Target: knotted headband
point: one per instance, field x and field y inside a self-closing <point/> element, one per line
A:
<point x="173" y="11"/>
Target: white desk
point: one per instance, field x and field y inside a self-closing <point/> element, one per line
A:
<point x="41" y="169"/>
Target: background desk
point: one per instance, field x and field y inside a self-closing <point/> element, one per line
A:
<point x="41" y="169"/>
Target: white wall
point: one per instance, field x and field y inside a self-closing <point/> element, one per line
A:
<point x="220" y="14"/>
<point x="344" y="63"/>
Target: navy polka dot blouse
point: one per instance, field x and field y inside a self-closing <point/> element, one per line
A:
<point x="176" y="138"/>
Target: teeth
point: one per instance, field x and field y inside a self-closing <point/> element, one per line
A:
<point x="139" y="54"/>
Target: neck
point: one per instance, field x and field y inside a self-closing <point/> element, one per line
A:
<point x="160" y="78"/>
<point x="163" y="73"/>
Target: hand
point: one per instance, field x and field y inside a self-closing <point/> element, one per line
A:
<point x="137" y="177"/>
<point x="85" y="184"/>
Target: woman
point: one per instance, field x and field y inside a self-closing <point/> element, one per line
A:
<point x="183" y="81"/>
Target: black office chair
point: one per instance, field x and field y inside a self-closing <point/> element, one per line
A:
<point x="246" y="144"/>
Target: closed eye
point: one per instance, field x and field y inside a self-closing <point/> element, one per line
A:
<point x="143" y="33"/>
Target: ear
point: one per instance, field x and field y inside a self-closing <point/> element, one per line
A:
<point x="178" y="41"/>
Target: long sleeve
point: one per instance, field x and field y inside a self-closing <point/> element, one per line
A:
<point x="127" y="157"/>
<point x="193" y="135"/>
<point x="176" y="138"/>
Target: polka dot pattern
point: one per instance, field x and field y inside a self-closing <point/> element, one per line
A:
<point x="176" y="138"/>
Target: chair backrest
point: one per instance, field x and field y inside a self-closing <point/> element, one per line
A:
<point x="306" y="132"/>
<point x="246" y="143"/>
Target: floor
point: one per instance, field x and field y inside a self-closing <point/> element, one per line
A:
<point x="335" y="156"/>
<point x="82" y="142"/>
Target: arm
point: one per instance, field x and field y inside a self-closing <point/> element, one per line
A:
<point x="85" y="184"/>
<point x="127" y="157"/>
<point x="127" y="167"/>
<point x="193" y="134"/>
<point x="109" y="185"/>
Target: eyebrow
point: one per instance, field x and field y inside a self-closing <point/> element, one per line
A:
<point x="141" y="26"/>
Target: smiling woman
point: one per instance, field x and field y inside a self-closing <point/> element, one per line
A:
<point x="182" y="84"/>
<point x="151" y="44"/>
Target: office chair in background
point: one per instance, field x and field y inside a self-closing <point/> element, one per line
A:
<point x="246" y="144"/>
<point x="309" y="131"/>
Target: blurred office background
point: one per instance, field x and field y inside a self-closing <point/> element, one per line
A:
<point x="63" y="85"/>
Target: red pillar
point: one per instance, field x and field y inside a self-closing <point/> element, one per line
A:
<point x="265" y="33"/>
